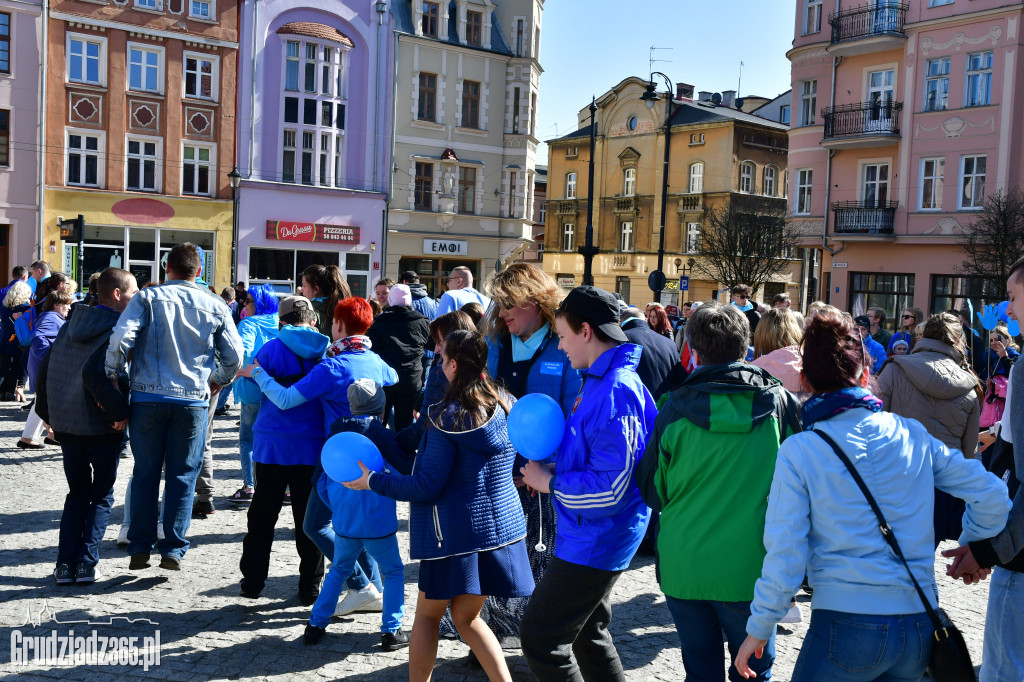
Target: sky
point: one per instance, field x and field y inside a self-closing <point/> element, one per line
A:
<point x="588" y="46"/>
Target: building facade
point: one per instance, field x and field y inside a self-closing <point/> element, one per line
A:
<point x="314" y="139"/>
<point x="717" y="152"/>
<point x="465" y="135"/>
<point x="21" y="146"/>
<point x="141" y="101"/>
<point x="904" y="118"/>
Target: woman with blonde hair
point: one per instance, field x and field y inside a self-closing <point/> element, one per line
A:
<point x="777" y="347"/>
<point x="1001" y="355"/>
<point x="908" y="328"/>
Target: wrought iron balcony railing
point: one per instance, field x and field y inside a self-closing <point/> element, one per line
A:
<point x="858" y="217"/>
<point x="884" y="18"/>
<point x="862" y="118"/>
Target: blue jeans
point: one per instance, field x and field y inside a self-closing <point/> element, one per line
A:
<point x="167" y="437"/>
<point x="1003" y="657"/>
<point x="700" y="625"/>
<point x="854" y="647"/>
<point x="90" y="466"/>
<point x="317" y="525"/>
<point x="245" y="441"/>
<point x="346" y="550"/>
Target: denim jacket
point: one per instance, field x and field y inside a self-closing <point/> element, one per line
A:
<point x="183" y="338"/>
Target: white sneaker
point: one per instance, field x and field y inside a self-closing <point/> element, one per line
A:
<point x="366" y="600"/>
<point x="122" y="537"/>
<point x="793" y="615"/>
<point x="159" y="530"/>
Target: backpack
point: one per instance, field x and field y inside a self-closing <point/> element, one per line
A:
<point x="24" y="325"/>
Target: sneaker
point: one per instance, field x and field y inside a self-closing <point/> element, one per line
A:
<point x="64" y="574"/>
<point x="170" y="563"/>
<point x="241" y="496"/>
<point x="313" y="634"/>
<point x="202" y="508"/>
<point x="139" y="561"/>
<point x="84" y="573"/>
<point x="793" y="615"/>
<point x="393" y="641"/>
<point x="122" y="536"/>
<point x="366" y="600"/>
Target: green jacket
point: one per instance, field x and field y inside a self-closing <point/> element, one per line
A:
<point x="718" y="435"/>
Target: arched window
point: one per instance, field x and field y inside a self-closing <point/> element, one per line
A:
<point x="570" y="186"/>
<point x="696" y="178"/>
<point x="629" y="182"/>
<point x="747" y="177"/>
<point x="771" y="175"/>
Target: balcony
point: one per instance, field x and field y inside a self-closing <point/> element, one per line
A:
<point x="623" y="261"/>
<point x="863" y="124"/>
<point x="690" y="203"/>
<point x="626" y="205"/>
<point x="866" y="29"/>
<point x="858" y="217"/>
<point x="565" y="207"/>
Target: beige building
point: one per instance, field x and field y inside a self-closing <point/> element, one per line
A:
<point x="716" y="150"/>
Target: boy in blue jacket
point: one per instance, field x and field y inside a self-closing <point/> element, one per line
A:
<point x="363" y="519"/>
<point x="601" y="518"/>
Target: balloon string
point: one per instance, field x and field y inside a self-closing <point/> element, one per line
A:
<point x="540" y="547"/>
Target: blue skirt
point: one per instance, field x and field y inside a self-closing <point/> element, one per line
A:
<point x="501" y="572"/>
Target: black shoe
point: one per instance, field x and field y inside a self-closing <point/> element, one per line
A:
<point x="393" y="641"/>
<point x="25" y="445"/>
<point x="308" y="594"/>
<point x="170" y="563"/>
<point x="51" y="441"/>
<point x="221" y="411"/>
<point x="139" y="561"/>
<point x="248" y="593"/>
<point x="313" y="634"/>
<point x="202" y="508"/>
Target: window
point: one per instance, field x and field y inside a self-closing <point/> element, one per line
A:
<point x="470" y="104"/>
<point x="568" y="237"/>
<point x="515" y="110"/>
<point x="467" y="189"/>
<point x="200" y="76"/>
<point x="428" y="24"/>
<point x="626" y="236"/>
<point x="309" y="68"/>
<point x="939" y="3"/>
<point x="325" y="71"/>
<point x="784" y="114"/>
<point x="543" y="217"/>
<point x="5" y="138"/>
<point x="747" y="177"/>
<point x="876" y="185"/>
<point x="572" y="152"/>
<point x="696" y="138"/>
<point x="474" y="28"/>
<point x="307" y="157"/>
<point x="83" y="161"/>
<point x="141" y="171"/>
<point x="512" y="194"/>
<point x="570" y="186"/>
<point x="427" y="106"/>
<point x="291" y="65"/>
<point x="803" y="191"/>
<point x="520" y="24"/>
<point x="953" y="291"/>
<point x="972" y="182"/>
<point x="696" y="178"/>
<point x="978" y="89"/>
<point x="770" y="175"/>
<point x="936" y="84"/>
<point x="148" y="4"/>
<point x="629" y="182"/>
<point x="145" y="68"/>
<point x="808" y="102"/>
<point x="533" y="114"/>
<point x="288" y="157"/>
<point x="932" y="171"/>
<point x="200" y="9"/>
<point x="195" y="170"/>
<point x="812" y="16"/>
<point x="692" y="237"/>
<point x="325" y="159"/>
<point x="86" y="60"/>
<point x="891" y="293"/>
<point x="5" y="42"/>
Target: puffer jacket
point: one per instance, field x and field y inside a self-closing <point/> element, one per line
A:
<point x="461" y="489"/>
<point x="928" y="385"/>
<point x="399" y="336"/>
<point x="785" y="364"/>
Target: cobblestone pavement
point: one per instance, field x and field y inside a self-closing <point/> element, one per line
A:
<point x="208" y="632"/>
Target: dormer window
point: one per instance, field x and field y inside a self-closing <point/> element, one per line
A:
<point x="428" y="24"/>
<point x="474" y="28"/>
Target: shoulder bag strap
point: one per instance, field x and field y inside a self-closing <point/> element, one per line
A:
<point x="883" y="526"/>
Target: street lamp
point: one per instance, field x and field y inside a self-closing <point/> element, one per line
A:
<point x="589" y="250"/>
<point x="235" y="178"/>
<point x="650" y="97"/>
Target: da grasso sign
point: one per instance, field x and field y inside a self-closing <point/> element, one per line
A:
<point x="289" y="230"/>
<point x="445" y="247"/>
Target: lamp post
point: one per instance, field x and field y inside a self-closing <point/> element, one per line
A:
<point x="235" y="178"/>
<point x="589" y="250"/>
<point x="650" y="97"/>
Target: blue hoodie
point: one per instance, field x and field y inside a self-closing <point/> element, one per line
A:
<point x="254" y="331"/>
<point x="43" y="334"/>
<point x="296" y="435"/>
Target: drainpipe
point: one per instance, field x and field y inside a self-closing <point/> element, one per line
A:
<point x="252" y="87"/>
<point x="828" y="188"/>
<point x="42" y="127"/>
<point x="391" y="159"/>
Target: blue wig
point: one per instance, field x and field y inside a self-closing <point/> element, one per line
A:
<point x="265" y="298"/>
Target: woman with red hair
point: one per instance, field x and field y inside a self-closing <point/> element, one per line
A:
<point x="658" y="319"/>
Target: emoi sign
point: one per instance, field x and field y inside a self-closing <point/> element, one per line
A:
<point x="312" y="232"/>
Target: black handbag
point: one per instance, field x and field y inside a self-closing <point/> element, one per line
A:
<point x="950" y="661"/>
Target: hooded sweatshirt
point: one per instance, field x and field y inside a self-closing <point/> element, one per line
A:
<point x="422" y="302"/>
<point x="296" y="435"/>
<point x="254" y="331"/>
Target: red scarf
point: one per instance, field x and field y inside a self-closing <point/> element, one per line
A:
<point x="349" y="344"/>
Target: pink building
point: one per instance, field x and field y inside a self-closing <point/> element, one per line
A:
<point x="903" y="121"/>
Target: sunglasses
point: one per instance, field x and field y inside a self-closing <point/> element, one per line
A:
<point x="743" y="296"/>
<point x="908" y="317"/>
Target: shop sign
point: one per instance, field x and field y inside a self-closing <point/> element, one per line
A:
<point x="449" y="247"/>
<point x="567" y="281"/>
<point x="840" y="264"/>
<point x="312" y="232"/>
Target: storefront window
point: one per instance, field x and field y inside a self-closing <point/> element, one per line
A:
<point x="891" y="293"/>
<point x="135" y="250"/>
<point x="952" y="292"/>
<point x="286" y="265"/>
<point x="433" y="272"/>
<point x="357" y="273"/>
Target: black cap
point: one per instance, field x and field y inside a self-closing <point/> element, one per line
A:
<point x="410" y="277"/>
<point x="862" y="321"/>
<point x="596" y="307"/>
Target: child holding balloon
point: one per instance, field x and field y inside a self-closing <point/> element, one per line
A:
<point x="466" y="524"/>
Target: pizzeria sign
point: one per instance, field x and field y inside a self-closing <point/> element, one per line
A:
<point x="312" y="232"/>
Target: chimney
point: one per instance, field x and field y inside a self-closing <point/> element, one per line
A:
<point x="703" y="96"/>
<point x="684" y="91"/>
<point x="728" y="97"/>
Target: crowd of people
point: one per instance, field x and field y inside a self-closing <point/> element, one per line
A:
<point x="748" y="449"/>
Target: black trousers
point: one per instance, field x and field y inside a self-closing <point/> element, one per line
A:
<point x="402" y="398"/>
<point x="263" y="513"/>
<point x="564" y="632"/>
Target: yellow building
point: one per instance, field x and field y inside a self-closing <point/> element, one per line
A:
<point x="716" y="150"/>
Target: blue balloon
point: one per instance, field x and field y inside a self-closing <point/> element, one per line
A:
<point x="1013" y="326"/>
<point x="536" y="425"/>
<point x="1001" y="311"/>
<point x="343" y="451"/>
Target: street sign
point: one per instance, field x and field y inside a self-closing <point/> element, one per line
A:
<point x="656" y="280"/>
<point x="684" y="283"/>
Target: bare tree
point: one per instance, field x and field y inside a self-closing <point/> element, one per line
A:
<point x="995" y="239"/>
<point x="745" y="240"/>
